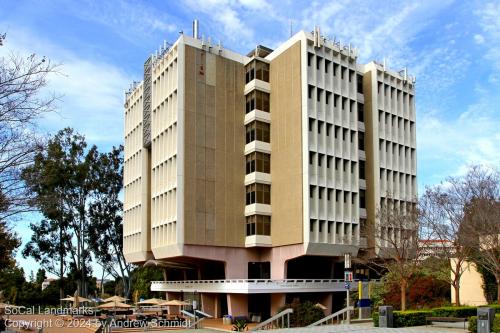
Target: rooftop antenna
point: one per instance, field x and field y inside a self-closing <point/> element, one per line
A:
<point x="195" y="29"/>
<point x="291" y="28"/>
<point x="384" y="64"/>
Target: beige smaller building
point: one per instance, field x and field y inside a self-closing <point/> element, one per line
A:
<point x="471" y="286"/>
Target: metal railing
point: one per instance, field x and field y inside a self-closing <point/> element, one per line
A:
<point x="251" y="285"/>
<point x="280" y="320"/>
<point x="334" y="318"/>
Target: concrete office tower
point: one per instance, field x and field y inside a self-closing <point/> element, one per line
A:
<point x="247" y="178"/>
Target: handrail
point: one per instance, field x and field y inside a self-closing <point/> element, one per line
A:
<point x="256" y="281"/>
<point x="195" y="324"/>
<point x="333" y="315"/>
<point x="274" y="318"/>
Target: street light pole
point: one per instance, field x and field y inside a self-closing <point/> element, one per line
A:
<point x="347" y="278"/>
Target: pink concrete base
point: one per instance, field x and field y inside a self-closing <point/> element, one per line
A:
<point x="327" y="301"/>
<point x="209" y="304"/>
<point x="237" y="304"/>
<point x="277" y="302"/>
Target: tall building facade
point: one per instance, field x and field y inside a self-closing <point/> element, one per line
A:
<point x="249" y="177"/>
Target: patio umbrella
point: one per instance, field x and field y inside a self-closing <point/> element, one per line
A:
<point x="76" y="301"/>
<point x="72" y="299"/>
<point x="174" y="302"/>
<point x="114" y="305"/>
<point x="321" y="306"/>
<point x="116" y="298"/>
<point x="152" y="301"/>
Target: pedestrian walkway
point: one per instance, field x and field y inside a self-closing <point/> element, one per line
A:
<point x="347" y="329"/>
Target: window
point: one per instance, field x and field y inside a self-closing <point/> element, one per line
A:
<point x="328" y="97"/>
<point x="327" y="65"/>
<point x="258" y="131"/>
<point x="318" y="62"/>
<point x="328" y="129"/>
<point x="361" y="141"/>
<point x="361" y="112"/>
<point x="262" y="71"/>
<point x="311" y="191"/>
<point x="258" y="225"/>
<point x="319" y="92"/>
<point x="310" y="58"/>
<point x="257" y="70"/>
<point x="362" y="170"/>
<point x="329" y="161"/>
<point x="320" y="126"/>
<point x="250" y="72"/>
<point x="257" y="100"/>
<point x="311" y="124"/>
<point x="311" y="157"/>
<point x="258" y="193"/>
<point x="360" y="84"/>
<point x="335" y="69"/>
<point x="310" y="90"/>
<point x="362" y="199"/>
<point x="258" y="162"/>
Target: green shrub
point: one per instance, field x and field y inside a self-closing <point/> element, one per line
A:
<point x="375" y="318"/>
<point x="405" y="318"/>
<point x="303" y="313"/>
<point x="455" y="311"/>
<point x="496" y="323"/>
<point x="410" y="318"/>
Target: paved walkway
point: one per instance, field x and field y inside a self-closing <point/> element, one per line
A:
<point x="347" y="328"/>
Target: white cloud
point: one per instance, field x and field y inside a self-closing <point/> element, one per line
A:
<point x="479" y="39"/>
<point x="489" y="21"/>
<point x="92" y="90"/>
<point x="133" y="21"/>
<point x="449" y="145"/>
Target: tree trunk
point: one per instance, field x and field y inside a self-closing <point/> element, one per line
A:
<point x="403" y="295"/>
<point x="498" y="289"/>
<point x="456" y="288"/>
<point x="61" y="266"/>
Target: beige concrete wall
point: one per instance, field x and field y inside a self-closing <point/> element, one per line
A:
<point x="286" y="145"/>
<point x="471" y="286"/>
<point x="371" y="151"/>
<point x="136" y="222"/>
<point x="214" y="164"/>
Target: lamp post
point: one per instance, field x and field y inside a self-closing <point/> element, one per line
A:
<point x="348" y="279"/>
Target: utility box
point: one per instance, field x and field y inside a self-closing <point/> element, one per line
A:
<point x="485" y="317"/>
<point x="385" y="318"/>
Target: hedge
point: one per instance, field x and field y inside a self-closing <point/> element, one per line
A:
<point x="417" y="318"/>
<point x="496" y="323"/>
<point x="453" y="311"/>
<point x="406" y="318"/>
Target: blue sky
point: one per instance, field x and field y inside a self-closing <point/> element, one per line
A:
<point x="452" y="47"/>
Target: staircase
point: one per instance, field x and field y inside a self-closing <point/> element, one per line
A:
<point x="339" y="317"/>
<point x="280" y="320"/>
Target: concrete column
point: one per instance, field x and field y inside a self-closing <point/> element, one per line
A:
<point x="237" y="304"/>
<point x="173" y="309"/>
<point x="277" y="302"/>
<point x="208" y="304"/>
<point x="326" y="300"/>
<point x="278" y="269"/>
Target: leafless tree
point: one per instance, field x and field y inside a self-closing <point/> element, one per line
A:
<point x="482" y="218"/>
<point x="442" y="215"/>
<point x="397" y="243"/>
<point x="22" y="102"/>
